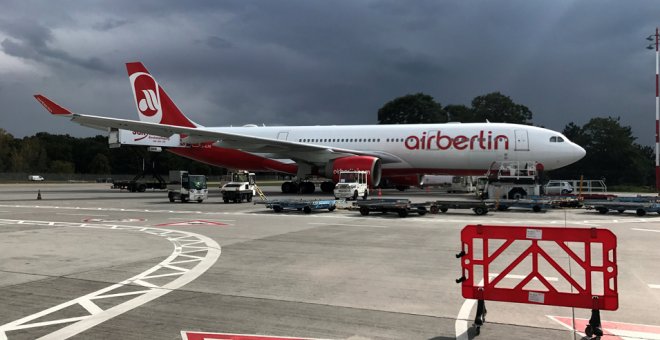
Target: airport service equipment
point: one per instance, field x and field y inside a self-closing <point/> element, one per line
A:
<point x="479" y="207"/>
<point x="640" y="205"/>
<point x="352" y="184"/>
<point x="186" y="187"/>
<point x="306" y="206"/>
<point x="511" y="180"/>
<point x="510" y="264"/>
<point x="403" y="207"/>
<point x="241" y="187"/>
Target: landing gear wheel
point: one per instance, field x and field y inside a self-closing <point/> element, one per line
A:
<point x="307" y="188"/>
<point x="327" y="186"/>
<point x="286" y="187"/>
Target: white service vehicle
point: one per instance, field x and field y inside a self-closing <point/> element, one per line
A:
<point x="558" y="188"/>
<point x="240" y="187"/>
<point x="35" y="178"/>
<point x="186" y="187"/>
<point x="352" y="184"/>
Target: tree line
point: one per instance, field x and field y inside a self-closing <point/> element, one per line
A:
<point x="612" y="151"/>
<point x="64" y="154"/>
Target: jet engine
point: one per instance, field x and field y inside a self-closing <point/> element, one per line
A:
<point x="355" y="163"/>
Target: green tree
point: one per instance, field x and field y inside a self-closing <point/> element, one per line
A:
<point x="611" y="153"/>
<point x="6" y="141"/>
<point x="100" y="164"/>
<point x="460" y="113"/>
<point x="412" y="109"/>
<point x="496" y="107"/>
<point x="61" y="167"/>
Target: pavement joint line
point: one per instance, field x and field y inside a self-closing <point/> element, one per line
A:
<point x="96" y="315"/>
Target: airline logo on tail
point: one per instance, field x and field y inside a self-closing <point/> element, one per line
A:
<point x="147" y="97"/>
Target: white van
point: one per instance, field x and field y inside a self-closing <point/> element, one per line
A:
<point x="558" y="188"/>
<point x="35" y="178"/>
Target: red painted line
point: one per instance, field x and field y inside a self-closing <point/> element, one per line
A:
<point x="227" y="336"/>
<point x="610" y="328"/>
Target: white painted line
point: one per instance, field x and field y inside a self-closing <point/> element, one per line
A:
<point x="651" y="230"/>
<point x="96" y="315"/>
<point x="652" y="286"/>
<point x="80" y="214"/>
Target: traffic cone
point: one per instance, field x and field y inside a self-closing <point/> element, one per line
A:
<point x="39" y="194"/>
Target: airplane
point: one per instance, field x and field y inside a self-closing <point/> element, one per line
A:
<point x="396" y="154"/>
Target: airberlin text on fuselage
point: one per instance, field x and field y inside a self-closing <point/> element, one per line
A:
<point x="481" y="141"/>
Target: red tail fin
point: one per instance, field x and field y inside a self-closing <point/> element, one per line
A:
<point x="153" y="104"/>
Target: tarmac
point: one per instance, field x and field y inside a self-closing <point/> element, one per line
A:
<point x="89" y="262"/>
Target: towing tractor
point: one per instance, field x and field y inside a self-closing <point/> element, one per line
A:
<point x="351" y="185"/>
<point x="186" y="187"/>
<point x="241" y="187"/>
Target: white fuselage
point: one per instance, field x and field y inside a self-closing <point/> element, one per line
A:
<point x="434" y="148"/>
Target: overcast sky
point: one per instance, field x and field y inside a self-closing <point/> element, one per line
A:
<point x="327" y="62"/>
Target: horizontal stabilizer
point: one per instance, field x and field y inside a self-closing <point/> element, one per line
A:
<point x="51" y="106"/>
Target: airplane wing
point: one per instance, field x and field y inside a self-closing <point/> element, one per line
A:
<point x="287" y="149"/>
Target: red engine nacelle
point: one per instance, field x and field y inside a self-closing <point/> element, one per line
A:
<point x="360" y="163"/>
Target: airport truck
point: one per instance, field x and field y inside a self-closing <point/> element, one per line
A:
<point x="185" y="187"/>
<point x="510" y="180"/>
<point x="241" y="187"/>
<point x="352" y="184"/>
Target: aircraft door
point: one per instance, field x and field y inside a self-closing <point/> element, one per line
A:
<point x="283" y="135"/>
<point x="522" y="143"/>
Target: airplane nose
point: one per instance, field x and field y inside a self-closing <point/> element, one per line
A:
<point x="580" y="152"/>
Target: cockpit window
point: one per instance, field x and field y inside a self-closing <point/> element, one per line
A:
<point x="560" y="140"/>
<point x="556" y="139"/>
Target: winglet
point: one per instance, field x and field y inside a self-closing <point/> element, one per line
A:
<point x="51" y="106"/>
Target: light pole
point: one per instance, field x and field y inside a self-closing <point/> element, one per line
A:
<point x="657" y="109"/>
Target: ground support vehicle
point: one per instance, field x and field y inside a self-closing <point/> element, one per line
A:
<point x="510" y="180"/>
<point x="187" y="187"/>
<point x="140" y="184"/>
<point x="305" y="206"/>
<point x="641" y="208"/>
<point x="570" y="201"/>
<point x="534" y="204"/>
<point x="351" y="185"/>
<point x="403" y="207"/>
<point x="479" y="207"/>
<point x="241" y="187"/>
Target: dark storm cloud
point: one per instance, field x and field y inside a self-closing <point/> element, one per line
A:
<point x="304" y="62"/>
